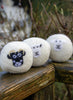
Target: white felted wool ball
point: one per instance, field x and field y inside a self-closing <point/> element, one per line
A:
<point x="61" y="47"/>
<point x="41" y="50"/>
<point x="16" y="57"/>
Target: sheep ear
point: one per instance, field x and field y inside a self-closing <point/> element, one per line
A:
<point x="21" y="51"/>
<point x="24" y="53"/>
<point x="9" y="56"/>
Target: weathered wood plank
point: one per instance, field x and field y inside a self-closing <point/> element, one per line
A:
<point x="18" y="87"/>
<point x="64" y="72"/>
<point x="46" y="93"/>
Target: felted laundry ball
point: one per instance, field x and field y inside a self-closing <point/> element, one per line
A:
<point x="41" y="50"/>
<point x="61" y="47"/>
<point x="16" y="57"/>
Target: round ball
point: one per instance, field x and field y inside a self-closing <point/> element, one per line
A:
<point x="61" y="47"/>
<point x="16" y="57"/>
<point x="41" y="50"/>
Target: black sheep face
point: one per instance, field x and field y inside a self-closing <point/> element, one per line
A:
<point x="17" y="58"/>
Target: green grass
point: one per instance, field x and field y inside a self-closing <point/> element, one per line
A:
<point x="66" y="5"/>
<point x="61" y="91"/>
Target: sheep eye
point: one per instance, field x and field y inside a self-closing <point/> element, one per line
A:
<point x="14" y="56"/>
<point x="33" y="47"/>
<point x="55" y="40"/>
<point x="40" y="45"/>
<point x="19" y="54"/>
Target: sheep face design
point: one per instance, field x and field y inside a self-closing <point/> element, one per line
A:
<point x="17" y="57"/>
<point x="58" y="44"/>
<point x="36" y="50"/>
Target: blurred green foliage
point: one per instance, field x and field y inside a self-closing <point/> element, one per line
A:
<point x="52" y="16"/>
<point x="66" y="5"/>
<point x="61" y="92"/>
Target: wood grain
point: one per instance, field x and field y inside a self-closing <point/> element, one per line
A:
<point x="44" y="94"/>
<point x="20" y="86"/>
<point x="64" y="72"/>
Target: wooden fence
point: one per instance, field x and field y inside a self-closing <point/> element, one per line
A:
<point x="37" y="83"/>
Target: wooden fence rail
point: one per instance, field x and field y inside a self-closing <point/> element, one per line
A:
<point x="37" y="83"/>
<point x="18" y="87"/>
<point x="64" y="72"/>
